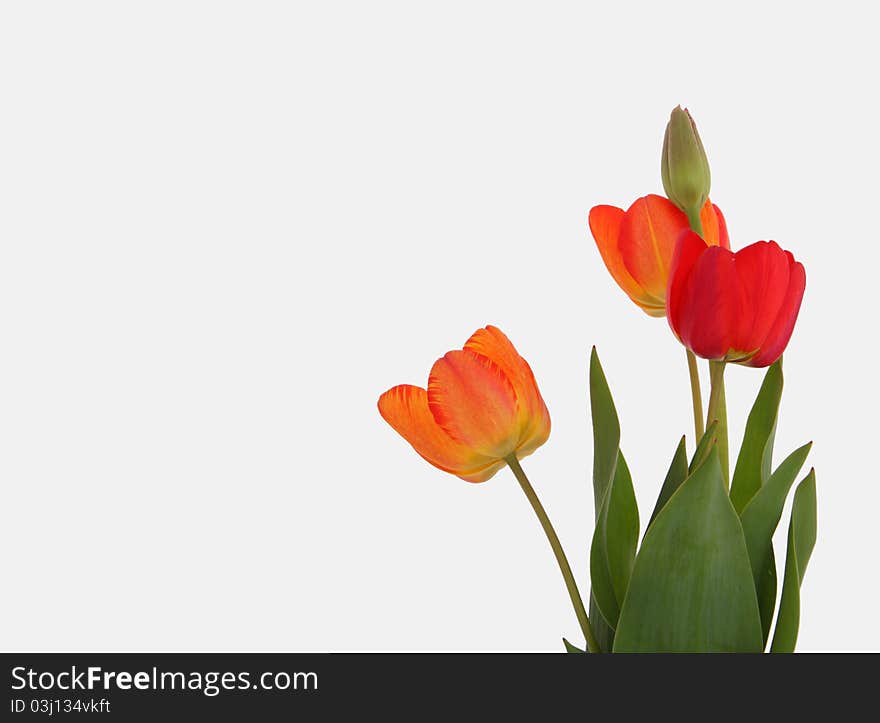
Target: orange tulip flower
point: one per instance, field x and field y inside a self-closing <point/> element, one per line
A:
<point x="482" y="405"/>
<point x="637" y="245"/>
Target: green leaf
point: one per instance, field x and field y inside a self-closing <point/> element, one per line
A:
<point x="759" y="520"/>
<point x="606" y="443"/>
<point x="677" y="473"/>
<point x="707" y="441"/>
<point x="602" y="631"/>
<point x="691" y="589"/>
<point x="765" y="587"/>
<point x="606" y="431"/>
<point x="614" y="543"/>
<point x="569" y="648"/>
<point x="801" y="540"/>
<point x="756" y="453"/>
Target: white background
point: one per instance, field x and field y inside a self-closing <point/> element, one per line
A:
<point x="226" y="228"/>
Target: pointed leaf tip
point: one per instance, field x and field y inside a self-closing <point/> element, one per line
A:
<point x="614" y="543"/>
<point x="759" y="521"/>
<point x="569" y="648"/>
<point x="691" y="589"/>
<point x="801" y="541"/>
<point x="755" y="458"/>
<point x="675" y="476"/>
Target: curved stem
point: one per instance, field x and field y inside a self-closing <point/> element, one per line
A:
<point x="718" y="411"/>
<point x="564" y="567"/>
<point x="696" y="395"/>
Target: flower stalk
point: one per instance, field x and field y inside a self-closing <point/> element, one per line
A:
<point x="696" y="395"/>
<point x="561" y="559"/>
<point x="718" y="412"/>
<point x="696" y="225"/>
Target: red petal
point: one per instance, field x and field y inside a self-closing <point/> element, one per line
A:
<point x="687" y="250"/>
<point x="713" y="304"/>
<point x="763" y="270"/>
<point x="780" y="333"/>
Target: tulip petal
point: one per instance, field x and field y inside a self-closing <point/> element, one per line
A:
<point x="605" y="223"/>
<point x="534" y="419"/>
<point x="780" y="333"/>
<point x="714" y="226"/>
<point x="739" y="307"/>
<point x="763" y="270"/>
<point x="648" y="233"/>
<point x="474" y="402"/>
<point x="405" y="408"/>
<point x="714" y="304"/>
<point x="687" y="250"/>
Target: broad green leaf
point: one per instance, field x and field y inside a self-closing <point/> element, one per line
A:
<point x="606" y="443"/>
<point x="759" y="520"/>
<point x="704" y="446"/>
<point x="691" y="589"/>
<point x="756" y="453"/>
<point x="677" y="473"/>
<point x="569" y="648"/>
<point x="614" y="543"/>
<point x="606" y="431"/>
<point x="801" y="540"/>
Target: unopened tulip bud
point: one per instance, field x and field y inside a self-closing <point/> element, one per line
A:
<point x="684" y="166"/>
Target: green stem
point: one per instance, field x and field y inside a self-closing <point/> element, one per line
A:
<point x="696" y="224"/>
<point x="564" y="567"/>
<point x="718" y="411"/>
<point x="716" y="377"/>
<point x="696" y="395"/>
<point x="723" y="448"/>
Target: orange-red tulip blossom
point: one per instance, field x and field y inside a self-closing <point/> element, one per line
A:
<point x="737" y="307"/>
<point x="481" y="405"/>
<point x="637" y="244"/>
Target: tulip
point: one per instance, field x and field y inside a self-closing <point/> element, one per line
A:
<point x="684" y="167"/>
<point x="481" y="409"/>
<point x="637" y="245"/>
<point x="734" y="307"/>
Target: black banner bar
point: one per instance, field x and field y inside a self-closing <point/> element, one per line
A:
<point x="256" y="686"/>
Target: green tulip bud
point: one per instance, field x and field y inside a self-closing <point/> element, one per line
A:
<point x="684" y="166"/>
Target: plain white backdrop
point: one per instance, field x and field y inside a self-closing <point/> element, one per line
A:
<point x="226" y="228"/>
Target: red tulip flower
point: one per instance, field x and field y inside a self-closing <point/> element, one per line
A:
<point x="482" y="406"/>
<point x="637" y="244"/>
<point x="735" y="307"/>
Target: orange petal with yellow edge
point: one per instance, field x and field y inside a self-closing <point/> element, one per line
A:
<point x="648" y="233"/>
<point x="533" y="417"/>
<point x="714" y="226"/>
<point x="474" y="402"/>
<point x="405" y="408"/>
<point x="605" y="223"/>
